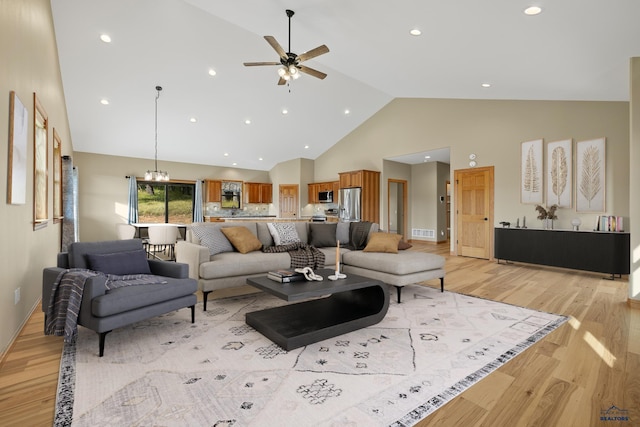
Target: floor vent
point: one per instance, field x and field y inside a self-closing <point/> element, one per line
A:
<point x="421" y="232"/>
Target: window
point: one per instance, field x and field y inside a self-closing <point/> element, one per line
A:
<point x="165" y="202"/>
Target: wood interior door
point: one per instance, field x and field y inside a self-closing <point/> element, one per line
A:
<point x="288" y="195"/>
<point x="474" y="212"/>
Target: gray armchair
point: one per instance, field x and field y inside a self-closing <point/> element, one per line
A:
<point x="103" y="310"/>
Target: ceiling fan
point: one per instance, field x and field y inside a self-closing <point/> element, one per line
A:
<point x="290" y="62"/>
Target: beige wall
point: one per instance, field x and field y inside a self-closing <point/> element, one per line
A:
<point x="28" y="64"/>
<point x="103" y="190"/>
<point x="493" y="130"/>
<point x="634" y="178"/>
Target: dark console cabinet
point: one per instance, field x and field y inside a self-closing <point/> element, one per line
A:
<point x="581" y="250"/>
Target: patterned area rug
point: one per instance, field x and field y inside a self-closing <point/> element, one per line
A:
<point x="221" y="372"/>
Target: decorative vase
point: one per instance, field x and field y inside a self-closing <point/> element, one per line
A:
<point x="547" y="224"/>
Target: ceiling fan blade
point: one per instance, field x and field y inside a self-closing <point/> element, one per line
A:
<point x="281" y="81"/>
<point x="276" y="46"/>
<point x="313" y="53"/>
<point x="254" y="64"/>
<point x="312" y="72"/>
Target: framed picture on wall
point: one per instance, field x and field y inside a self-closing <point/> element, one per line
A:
<point x="559" y="177"/>
<point x="17" y="164"/>
<point x="591" y="175"/>
<point x="531" y="178"/>
<point x="40" y="164"/>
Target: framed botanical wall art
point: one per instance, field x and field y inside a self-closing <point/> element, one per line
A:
<point x="40" y="161"/>
<point x="531" y="178"/>
<point x="17" y="164"/>
<point x="590" y="175"/>
<point x="559" y="177"/>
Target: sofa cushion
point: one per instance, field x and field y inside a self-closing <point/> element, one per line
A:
<point x="283" y="232"/>
<point x="211" y="237"/>
<point x="322" y="235"/>
<point x="78" y="250"/>
<point x="128" y="298"/>
<point x="242" y="239"/>
<point x="405" y="262"/>
<point x="403" y="245"/>
<point x="383" y="242"/>
<point x="342" y="233"/>
<point x="231" y="264"/>
<point x="120" y="263"/>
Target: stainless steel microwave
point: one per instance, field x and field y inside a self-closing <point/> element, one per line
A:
<point x="325" y="196"/>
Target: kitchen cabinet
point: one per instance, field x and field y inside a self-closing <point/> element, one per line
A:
<point x="369" y="181"/>
<point x="258" y="192"/>
<point x="316" y="187"/>
<point x="213" y="190"/>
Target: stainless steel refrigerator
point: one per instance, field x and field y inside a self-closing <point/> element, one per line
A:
<point x="349" y="204"/>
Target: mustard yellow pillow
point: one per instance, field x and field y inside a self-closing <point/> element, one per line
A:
<point x="383" y="242"/>
<point x="242" y="239"/>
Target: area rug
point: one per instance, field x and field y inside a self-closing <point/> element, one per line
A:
<point x="221" y="372"/>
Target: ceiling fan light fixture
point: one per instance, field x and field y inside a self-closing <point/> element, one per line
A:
<point x="282" y="71"/>
<point x="293" y="70"/>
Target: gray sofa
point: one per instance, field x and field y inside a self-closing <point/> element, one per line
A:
<point x="102" y="310"/>
<point x="214" y="263"/>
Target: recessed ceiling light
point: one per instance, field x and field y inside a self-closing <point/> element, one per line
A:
<point x="486" y="84"/>
<point x="347" y="112"/>
<point x="427" y="157"/>
<point x="104" y="101"/>
<point x="212" y="72"/>
<point x="260" y="158"/>
<point x="247" y="122"/>
<point x="415" y="32"/>
<point x="285" y="111"/>
<point x="226" y="154"/>
<point x="193" y="120"/>
<point x="306" y="147"/>
<point x="105" y="38"/>
<point x="234" y="164"/>
<point x="532" y="10"/>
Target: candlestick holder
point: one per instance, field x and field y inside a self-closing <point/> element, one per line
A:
<point x="338" y="275"/>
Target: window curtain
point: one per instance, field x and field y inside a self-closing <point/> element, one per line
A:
<point x="133" y="200"/>
<point x="198" y="215"/>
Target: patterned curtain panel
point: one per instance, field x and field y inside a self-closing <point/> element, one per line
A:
<point x="70" y="229"/>
<point x="198" y="215"/>
<point x="133" y="200"/>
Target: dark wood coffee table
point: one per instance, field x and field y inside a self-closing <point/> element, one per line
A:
<point x="328" y="308"/>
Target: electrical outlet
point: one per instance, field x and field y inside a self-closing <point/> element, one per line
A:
<point x="16" y="296"/>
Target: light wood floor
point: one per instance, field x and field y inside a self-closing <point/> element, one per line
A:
<point x="567" y="379"/>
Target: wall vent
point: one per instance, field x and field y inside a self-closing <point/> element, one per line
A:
<point x="421" y="232"/>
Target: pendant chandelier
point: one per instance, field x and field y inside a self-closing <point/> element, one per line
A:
<point x="156" y="175"/>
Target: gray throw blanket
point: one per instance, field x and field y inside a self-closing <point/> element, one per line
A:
<point x="66" y="297"/>
<point x="358" y="233"/>
<point x="302" y="254"/>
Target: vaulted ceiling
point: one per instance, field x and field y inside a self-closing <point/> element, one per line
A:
<point x="572" y="50"/>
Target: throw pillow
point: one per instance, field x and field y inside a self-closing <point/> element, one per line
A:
<point x="120" y="263"/>
<point x="402" y="245"/>
<point x="323" y="235"/>
<point x="283" y="232"/>
<point x="211" y="237"/>
<point x="383" y="242"/>
<point x="242" y="239"/>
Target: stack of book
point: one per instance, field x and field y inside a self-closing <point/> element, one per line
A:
<point x="609" y="223"/>
<point x="285" y="276"/>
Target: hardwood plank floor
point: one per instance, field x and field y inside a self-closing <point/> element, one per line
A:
<point x="586" y="366"/>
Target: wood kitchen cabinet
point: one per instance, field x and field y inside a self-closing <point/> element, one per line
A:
<point x="317" y="187"/>
<point x="369" y="181"/>
<point x="258" y="192"/>
<point x="213" y="190"/>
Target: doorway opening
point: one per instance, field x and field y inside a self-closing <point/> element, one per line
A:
<point x="397" y="206"/>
